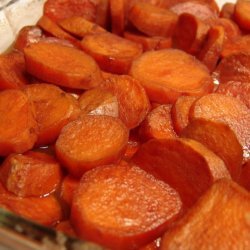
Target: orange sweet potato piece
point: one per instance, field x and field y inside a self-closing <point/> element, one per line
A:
<point x="242" y="14"/>
<point x="132" y="99"/>
<point x="226" y="109"/>
<point x="245" y="176"/>
<point x="53" y="110"/>
<point x="220" y="139"/>
<point x="152" y="20"/>
<point x="62" y="65"/>
<point x="158" y="124"/>
<point x="180" y="112"/>
<point x="18" y="128"/>
<point x="66" y="228"/>
<point x="185" y="164"/>
<point x="99" y="102"/>
<point x="46" y="211"/>
<point x="117" y="12"/>
<point x="164" y="75"/>
<point x="222" y="212"/>
<point x="31" y="174"/>
<point x="12" y="71"/>
<point x="113" y="53"/>
<point x="227" y="10"/>
<point x="129" y="206"/>
<point x="91" y="141"/>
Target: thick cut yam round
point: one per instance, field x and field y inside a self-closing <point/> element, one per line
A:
<point x="227" y="10"/>
<point x="58" y="10"/>
<point x="114" y="54"/>
<point x="211" y="50"/>
<point x="245" y="176"/>
<point x="18" y="128"/>
<point x="66" y="228"/>
<point x="54" y="108"/>
<point x="62" y="65"/>
<point x="152" y="20"/>
<point x="99" y="102"/>
<point x="91" y="141"/>
<point x="185" y="164"/>
<point x="80" y="27"/>
<point x="158" y="124"/>
<point x="117" y="12"/>
<point x="219" y="220"/>
<point x="180" y="112"/>
<point x="123" y="207"/>
<point x="220" y="139"/>
<point x="31" y="174"/>
<point x="12" y="71"/>
<point x="226" y="109"/>
<point x="239" y="90"/>
<point x="132" y="99"/>
<point x="26" y="36"/>
<point x="190" y="34"/>
<point x="242" y="14"/>
<point x="46" y="211"/>
<point x="69" y="185"/>
<point x="164" y="75"/>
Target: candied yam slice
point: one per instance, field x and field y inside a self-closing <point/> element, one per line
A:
<point x="12" y="71"/>
<point x="158" y="124"/>
<point x="132" y="99"/>
<point x="117" y="13"/>
<point x="30" y="174"/>
<point x="185" y="164"/>
<point x="114" y="54"/>
<point x="127" y="205"/>
<point x="18" y="128"/>
<point x="227" y="10"/>
<point x="152" y="20"/>
<point x="91" y="141"/>
<point x="220" y="139"/>
<point x="164" y="75"/>
<point x="54" y="108"/>
<point x="222" y="212"/>
<point x="242" y="14"/>
<point x="99" y="101"/>
<point x="226" y="109"/>
<point x="62" y="65"/>
<point x="245" y="176"/>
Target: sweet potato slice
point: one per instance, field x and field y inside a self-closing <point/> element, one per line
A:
<point x="227" y="10"/>
<point x="187" y="165"/>
<point x="190" y="34"/>
<point x="226" y="109"/>
<point x="54" y="108"/>
<point x="152" y="20"/>
<point x="46" y="211"/>
<point x="80" y="27"/>
<point x="117" y="12"/>
<point x="222" y="212"/>
<point x="99" y="102"/>
<point x="220" y="139"/>
<point x="113" y="53"/>
<point x="62" y="65"/>
<point x="61" y="9"/>
<point x="164" y="75"/>
<point x="66" y="228"/>
<point x="242" y="14"/>
<point x="91" y="141"/>
<point x="18" y="128"/>
<point x="211" y="50"/>
<point x="158" y="124"/>
<point x="12" y="71"/>
<point x="245" y="176"/>
<point x="132" y="99"/>
<point x="31" y="174"/>
<point x="129" y="206"/>
<point x="180" y="112"/>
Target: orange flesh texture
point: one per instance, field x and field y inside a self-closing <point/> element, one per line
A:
<point x="114" y="54"/>
<point x="132" y="99"/>
<point x="152" y="20"/>
<point x="18" y="128"/>
<point x="102" y="13"/>
<point x="123" y="207"/>
<point x="227" y="10"/>
<point x="220" y="139"/>
<point x="54" y="108"/>
<point x="245" y="176"/>
<point x="228" y="110"/>
<point x="185" y="164"/>
<point x="91" y="141"/>
<point x="158" y="124"/>
<point x="222" y="212"/>
<point x="242" y="14"/>
<point x="66" y="228"/>
<point x="168" y="74"/>
<point x="117" y="13"/>
<point x="61" y="65"/>
<point x="32" y="174"/>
